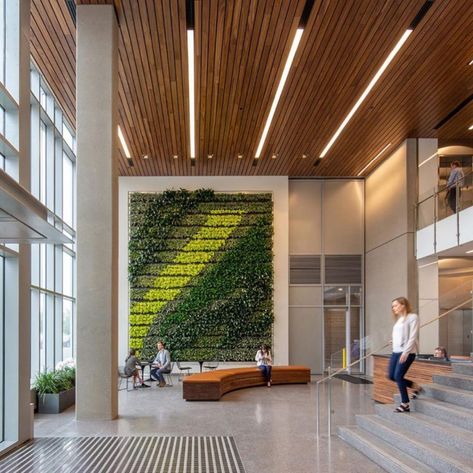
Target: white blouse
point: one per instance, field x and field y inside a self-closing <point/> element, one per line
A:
<point x="406" y="334"/>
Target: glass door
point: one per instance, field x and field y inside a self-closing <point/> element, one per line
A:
<point x="342" y="327"/>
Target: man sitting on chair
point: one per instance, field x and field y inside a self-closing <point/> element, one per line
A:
<point x="161" y="364"/>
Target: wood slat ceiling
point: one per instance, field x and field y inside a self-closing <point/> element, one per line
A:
<point x="241" y="47"/>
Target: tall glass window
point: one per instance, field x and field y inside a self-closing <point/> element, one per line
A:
<point x="53" y="167"/>
<point x="2" y="40"/>
<point x="2" y="345"/>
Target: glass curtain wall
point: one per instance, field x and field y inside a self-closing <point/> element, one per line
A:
<point x="2" y="340"/>
<point x="53" y="167"/>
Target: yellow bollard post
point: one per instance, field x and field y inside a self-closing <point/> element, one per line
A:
<point x="344" y="357"/>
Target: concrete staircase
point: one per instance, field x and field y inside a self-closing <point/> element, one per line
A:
<point x="436" y="436"/>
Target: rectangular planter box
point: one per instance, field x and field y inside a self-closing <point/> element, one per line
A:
<point x="56" y="403"/>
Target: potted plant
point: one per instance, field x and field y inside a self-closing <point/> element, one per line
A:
<point x="56" y="389"/>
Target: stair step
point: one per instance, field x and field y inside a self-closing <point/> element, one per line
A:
<point x="430" y="429"/>
<point x="455" y="380"/>
<point x="433" y="455"/>
<point x="459" y="397"/>
<point x="463" y="368"/>
<point x="445" y="411"/>
<point x="380" y="452"/>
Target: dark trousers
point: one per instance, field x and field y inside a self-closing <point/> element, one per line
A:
<point x="397" y="371"/>
<point x="266" y="371"/>
<point x="157" y="373"/>
<point x="452" y="198"/>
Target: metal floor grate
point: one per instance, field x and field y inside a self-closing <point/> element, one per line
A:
<point x="125" y="455"/>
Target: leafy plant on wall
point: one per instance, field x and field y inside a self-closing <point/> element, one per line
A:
<point x="201" y="274"/>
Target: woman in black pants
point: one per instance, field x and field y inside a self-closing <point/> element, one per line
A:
<point x="405" y="346"/>
<point x="264" y="362"/>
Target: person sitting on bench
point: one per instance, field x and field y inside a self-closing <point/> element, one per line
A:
<point x="161" y="364"/>
<point x="264" y="362"/>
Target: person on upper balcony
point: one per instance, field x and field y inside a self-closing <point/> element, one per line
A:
<point x="455" y="180"/>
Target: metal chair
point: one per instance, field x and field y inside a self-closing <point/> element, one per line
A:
<point x="211" y="365"/>
<point x="121" y="376"/>
<point x="182" y="369"/>
<point x="168" y="376"/>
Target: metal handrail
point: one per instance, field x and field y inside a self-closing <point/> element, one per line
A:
<point x="443" y="188"/>
<point x="373" y="352"/>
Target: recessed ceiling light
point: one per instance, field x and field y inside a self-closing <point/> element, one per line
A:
<point x="240" y="156"/>
<point x="282" y="81"/>
<point x="470" y="63"/>
<point x="304" y="156"/>
<point x="470" y="127"/>
<point x="374" y="159"/>
<point x="210" y="156"/>
<point x="274" y="156"/>
<point x="368" y="89"/>
<point x="190" y="62"/>
<point x="175" y="156"/>
<point x="123" y="143"/>
<point x="145" y="156"/>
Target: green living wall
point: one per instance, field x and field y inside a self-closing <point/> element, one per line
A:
<point x="201" y="274"/>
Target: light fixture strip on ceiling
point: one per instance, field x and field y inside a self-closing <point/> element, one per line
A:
<point x="368" y="89"/>
<point x="374" y="159"/>
<point x="123" y="143"/>
<point x="470" y="127"/>
<point x="287" y="67"/>
<point x="190" y="61"/>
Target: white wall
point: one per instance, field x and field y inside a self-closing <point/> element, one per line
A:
<point x="277" y="185"/>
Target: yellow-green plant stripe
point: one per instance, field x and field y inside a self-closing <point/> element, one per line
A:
<point x="187" y="264"/>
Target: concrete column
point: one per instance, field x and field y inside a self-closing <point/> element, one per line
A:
<point x="428" y="278"/>
<point x="97" y="229"/>
<point x="390" y="195"/>
<point x="429" y="304"/>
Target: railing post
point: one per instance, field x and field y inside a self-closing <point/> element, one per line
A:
<point x="317" y="393"/>
<point x="329" y="410"/>
<point x="457" y="209"/>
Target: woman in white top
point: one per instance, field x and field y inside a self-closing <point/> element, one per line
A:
<point x="264" y="362"/>
<point x="405" y="345"/>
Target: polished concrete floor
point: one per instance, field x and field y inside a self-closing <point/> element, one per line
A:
<point x="275" y="428"/>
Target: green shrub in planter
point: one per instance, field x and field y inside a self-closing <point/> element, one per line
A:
<point x="55" y="390"/>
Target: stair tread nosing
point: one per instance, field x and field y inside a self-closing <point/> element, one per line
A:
<point x="381" y="452"/>
<point x="463" y="368"/>
<point x="437" y="455"/>
<point x="453" y="392"/>
<point x="465" y="379"/>
<point x="444" y="405"/>
<point x="434" y="429"/>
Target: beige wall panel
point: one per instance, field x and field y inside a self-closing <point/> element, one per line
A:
<point x="343" y="226"/>
<point x="306" y="338"/>
<point x="386" y="200"/>
<point x="386" y="269"/>
<point x="305" y="295"/>
<point x="305" y="217"/>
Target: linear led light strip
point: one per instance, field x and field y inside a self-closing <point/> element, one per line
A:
<point x="368" y="89"/>
<point x="290" y="58"/>
<point x="374" y="159"/>
<point x="123" y="143"/>
<point x="190" y="62"/>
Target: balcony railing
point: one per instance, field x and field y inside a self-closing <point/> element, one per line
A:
<point x="444" y="202"/>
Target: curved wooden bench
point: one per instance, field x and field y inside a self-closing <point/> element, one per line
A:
<point x="212" y="385"/>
